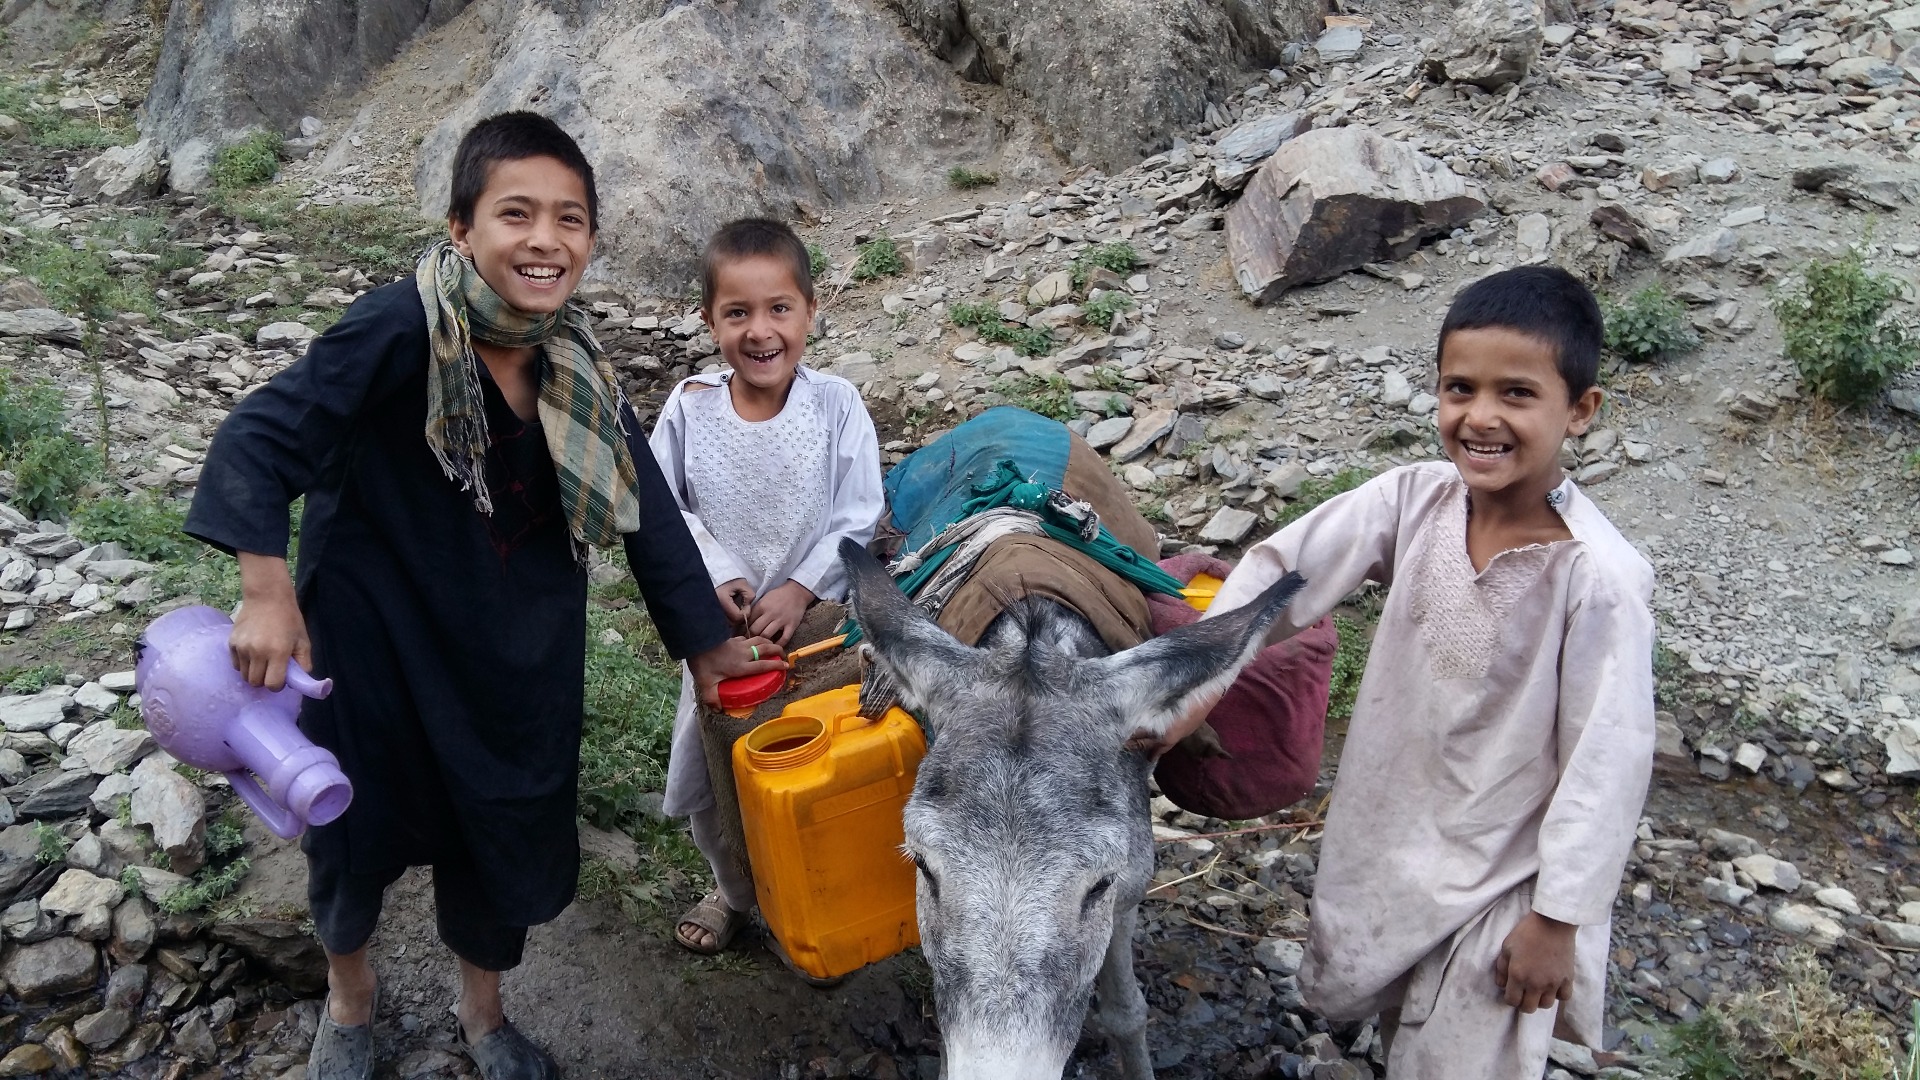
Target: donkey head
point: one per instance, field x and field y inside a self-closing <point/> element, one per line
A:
<point x="1028" y="820"/>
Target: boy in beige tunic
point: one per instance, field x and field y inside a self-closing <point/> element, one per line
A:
<point x="1503" y="734"/>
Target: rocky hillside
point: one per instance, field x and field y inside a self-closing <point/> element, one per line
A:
<point x="1715" y="149"/>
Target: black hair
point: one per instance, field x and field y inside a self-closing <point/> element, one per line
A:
<point x="513" y="136"/>
<point x="1542" y="302"/>
<point x="750" y="237"/>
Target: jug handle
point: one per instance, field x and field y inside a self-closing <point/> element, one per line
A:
<point x="841" y="725"/>
<point x="304" y="684"/>
<point x="278" y="819"/>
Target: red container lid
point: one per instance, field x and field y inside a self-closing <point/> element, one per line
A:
<point x="750" y="690"/>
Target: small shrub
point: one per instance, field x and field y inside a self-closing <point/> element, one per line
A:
<point x="1319" y="489"/>
<point x="50" y="844"/>
<point x="1118" y="257"/>
<point x="1699" y="1050"/>
<point x="34" y="679"/>
<point x="48" y="472"/>
<point x="224" y="836"/>
<point x="961" y="178"/>
<point x="984" y="319"/>
<point x="1050" y="395"/>
<point x="879" y="257"/>
<point x="1839" y="332"/>
<point x="209" y="885"/>
<point x="1649" y="325"/>
<point x="818" y="262"/>
<point x="130" y="884"/>
<point x="148" y="528"/>
<point x="28" y="412"/>
<point x="248" y="163"/>
<point x="1101" y="310"/>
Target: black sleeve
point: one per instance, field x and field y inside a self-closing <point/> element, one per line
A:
<point x="268" y="451"/>
<point x="667" y="564"/>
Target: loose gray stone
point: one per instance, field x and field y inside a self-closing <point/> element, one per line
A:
<point x="1904" y="631"/>
<point x="174" y="809"/>
<point x="1240" y="151"/>
<point x="1716" y="248"/>
<point x="77" y="891"/>
<point x="157" y="884"/>
<point x="1279" y="955"/>
<point x="61" y="965"/>
<point x="284" y="335"/>
<point x="1109" y="431"/>
<point x="26" y="922"/>
<point x="1148" y="428"/>
<point x="1229" y="525"/>
<point x="133" y="931"/>
<point x="1340" y="44"/>
<point x="1769" y="872"/>
<point x="108" y="749"/>
<point x="35" y="712"/>
<point x="19" y="856"/>
<point x="41" y="324"/>
<point x="126" y="987"/>
<point x="104" y="1028"/>
<point x="56" y="794"/>
<point x="94" y="696"/>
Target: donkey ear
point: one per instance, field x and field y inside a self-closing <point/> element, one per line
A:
<point x="1153" y="684"/>
<point x="927" y="663"/>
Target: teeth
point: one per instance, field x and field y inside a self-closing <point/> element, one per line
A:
<point x="542" y="274"/>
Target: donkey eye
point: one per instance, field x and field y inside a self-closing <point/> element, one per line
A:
<point x="1094" y="894"/>
<point x="933" y="885"/>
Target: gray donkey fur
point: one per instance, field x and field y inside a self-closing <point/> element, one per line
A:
<point x="1029" y="820"/>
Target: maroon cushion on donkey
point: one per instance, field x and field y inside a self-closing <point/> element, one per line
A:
<point x="1272" y="720"/>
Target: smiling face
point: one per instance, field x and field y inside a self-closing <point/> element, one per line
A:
<point x="531" y="237"/>
<point x="1504" y="411"/>
<point x="760" y="319"/>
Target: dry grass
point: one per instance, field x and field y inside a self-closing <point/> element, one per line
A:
<point x="1802" y="1029"/>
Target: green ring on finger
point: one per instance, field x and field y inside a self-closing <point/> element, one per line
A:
<point x="756" y="652"/>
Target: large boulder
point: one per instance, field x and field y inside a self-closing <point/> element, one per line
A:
<point x="1489" y="43"/>
<point x="1113" y="79"/>
<point x="229" y="67"/>
<point x="708" y="112"/>
<point x="1335" y="199"/>
<point x="120" y="174"/>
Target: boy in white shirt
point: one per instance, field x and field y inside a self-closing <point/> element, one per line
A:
<point x="1502" y="738"/>
<point x="773" y="464"/>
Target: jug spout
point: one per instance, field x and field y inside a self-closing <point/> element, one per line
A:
<point x="302" y="777"/>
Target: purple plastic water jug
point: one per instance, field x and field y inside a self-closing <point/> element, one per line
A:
<point x="204" y="713"/>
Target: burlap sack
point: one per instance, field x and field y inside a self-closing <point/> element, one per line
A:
<point x="813" y="675"/>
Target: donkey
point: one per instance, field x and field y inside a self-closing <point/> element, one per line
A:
<point x="1028" y="820"/>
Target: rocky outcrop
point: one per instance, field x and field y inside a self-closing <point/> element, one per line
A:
<point x="228" y="67"/>
<point x="1113" y="79"/>
<point x="1490" y="43"/>
<point x="712" y="111"/>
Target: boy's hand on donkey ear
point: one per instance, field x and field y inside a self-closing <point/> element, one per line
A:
<point x="1535" y="966"/>
<point x="731" y="659"/>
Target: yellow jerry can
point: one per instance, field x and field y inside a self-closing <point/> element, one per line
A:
<point x="821" y="790"/>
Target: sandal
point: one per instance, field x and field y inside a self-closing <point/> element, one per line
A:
<point x="714" y="916"/>
<point x="815" y="981"/>
<point x="505" y="1054"/>
<point x="340" y="1051"/>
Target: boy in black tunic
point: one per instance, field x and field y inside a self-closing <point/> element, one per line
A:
<point x="460" y="441"/>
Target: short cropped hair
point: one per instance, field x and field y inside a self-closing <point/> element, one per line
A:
<point x="1542" y="302"/>
<point x="513" y="136"/>
<point x="749" y="238"/>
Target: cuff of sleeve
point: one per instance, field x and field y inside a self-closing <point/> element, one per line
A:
<point x="234" y="541"/>
<point x="698" y="639"/>
<point x="1572" y="913"/>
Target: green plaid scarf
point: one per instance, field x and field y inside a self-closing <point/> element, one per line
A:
<point x="579" y="398"/>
